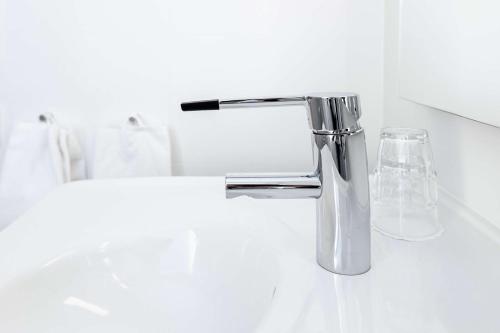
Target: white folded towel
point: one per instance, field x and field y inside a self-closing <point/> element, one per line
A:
<point x="38" y="158"/>
<point x="138" y="148"/>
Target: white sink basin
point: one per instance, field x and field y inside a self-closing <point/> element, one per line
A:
<point x="207" y="280"/>
<point x="211" y="267"/>
<point x="173" y="255"/>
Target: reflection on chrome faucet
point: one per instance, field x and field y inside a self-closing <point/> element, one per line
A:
<point x="339" y="182"/>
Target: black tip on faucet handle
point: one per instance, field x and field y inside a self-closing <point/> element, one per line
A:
<point x="211" y="104"/>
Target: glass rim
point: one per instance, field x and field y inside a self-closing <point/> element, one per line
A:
<point x="404" y="133"/>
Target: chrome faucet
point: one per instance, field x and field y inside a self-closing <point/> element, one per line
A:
<point x="339" y="182"/>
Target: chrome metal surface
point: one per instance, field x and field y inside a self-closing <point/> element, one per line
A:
<point x="278" y="101"/>
<point x="339" y="182"/>
<point x="273" y="186"/>
<point x="343" y="209"/>
<point x="334" y="113"/>
<point x="328" y="113"/>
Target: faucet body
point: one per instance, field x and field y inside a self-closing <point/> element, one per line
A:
<point x="343" y="208"/>
<point x="338" y="182"/>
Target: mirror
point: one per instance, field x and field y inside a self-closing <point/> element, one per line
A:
<point x="450" y="56"/>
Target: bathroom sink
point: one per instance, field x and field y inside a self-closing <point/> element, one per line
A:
<point x="212" y="267"/>
<point x="173" y="255"/>
<point x="206" y="280"/>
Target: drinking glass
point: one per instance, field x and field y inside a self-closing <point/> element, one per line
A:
<point x="403" y="186"/>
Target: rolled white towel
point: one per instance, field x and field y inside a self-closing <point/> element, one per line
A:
<point x="139" y="148"/>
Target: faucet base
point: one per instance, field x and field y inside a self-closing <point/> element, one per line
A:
<point x="343" y="273"/>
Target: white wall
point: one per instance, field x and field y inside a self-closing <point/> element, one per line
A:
<point x="95" y="59"/>
<point x="466" y="153"/>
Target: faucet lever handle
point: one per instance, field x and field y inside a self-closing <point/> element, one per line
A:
<point x="206" y="105"/>
<point x="215" y="104"/>
<point x="328" y="113"/>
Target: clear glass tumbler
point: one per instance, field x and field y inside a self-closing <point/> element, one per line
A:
<point x="403" y="186"/>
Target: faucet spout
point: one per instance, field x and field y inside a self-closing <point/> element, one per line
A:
<point x="273" y="186"/>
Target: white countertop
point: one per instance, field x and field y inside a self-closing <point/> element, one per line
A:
<point x="449" y="284"/>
